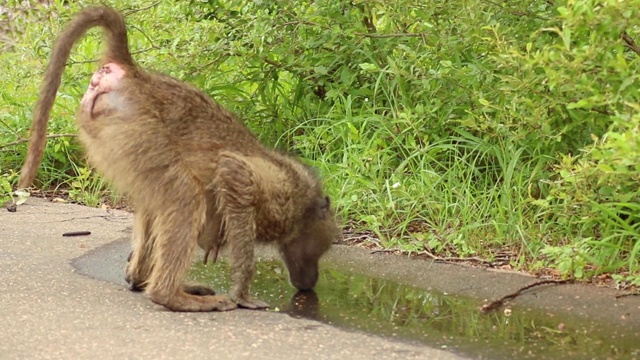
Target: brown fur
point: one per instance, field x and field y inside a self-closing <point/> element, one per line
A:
<point x="194" y="173"/>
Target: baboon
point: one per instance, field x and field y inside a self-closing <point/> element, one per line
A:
<point x="193" y="171"/>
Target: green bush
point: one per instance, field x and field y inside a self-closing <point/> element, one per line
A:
<point x="591" y="75"/>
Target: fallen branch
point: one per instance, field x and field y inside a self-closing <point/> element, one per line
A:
<point x="351" y="236"/>
<point x="93" y="61"/>
<point x="498" y="303"/>
<point x="143" y="9"/>
<point x="627" y="294"/>
<point x="385" y="251"/>
<point x="452" y="259"/>
<point x="382" y="36"/>
<point x="517" y="13"/>
<point x="52" y="136"/>
<point x="455" y="259"/>
<point x="448" y="260"/>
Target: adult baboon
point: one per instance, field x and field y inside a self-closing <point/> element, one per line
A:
<point x="194" y="173"/>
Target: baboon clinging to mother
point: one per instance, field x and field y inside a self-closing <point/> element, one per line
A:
<point x="194" y="173"/>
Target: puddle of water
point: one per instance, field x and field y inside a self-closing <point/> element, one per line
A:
<point x="390" y="309"/>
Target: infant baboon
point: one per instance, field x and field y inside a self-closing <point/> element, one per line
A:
<point x="194" y="173"/>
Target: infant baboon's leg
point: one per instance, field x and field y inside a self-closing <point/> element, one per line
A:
<point x="139" y="267"/>
<point x="140" y="261"/>
<point x="197" y="289"/>
<point x="177" y="224"/>
<point x="211" y="238"/>
<point x="193" y="289"/>
<point x="208" y="240"/>
<point x="236" y="191"/>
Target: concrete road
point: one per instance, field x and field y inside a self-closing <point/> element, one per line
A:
<point x="48" y="311"/>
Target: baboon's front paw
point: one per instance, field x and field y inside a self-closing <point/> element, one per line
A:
<point x="134" y="286"/>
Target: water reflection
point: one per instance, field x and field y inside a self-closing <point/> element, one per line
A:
<point x="304" y="304"/>
<point x="390" y="309"/>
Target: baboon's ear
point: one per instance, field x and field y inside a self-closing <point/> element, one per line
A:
<point x="324" y="207"/>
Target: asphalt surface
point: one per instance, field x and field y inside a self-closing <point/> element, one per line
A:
<point x="51" y="310"/>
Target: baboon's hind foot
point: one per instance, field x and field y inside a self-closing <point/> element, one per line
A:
<point x="185" y="302"/>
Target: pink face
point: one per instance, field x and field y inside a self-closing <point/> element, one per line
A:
<point x="103" y="81"/>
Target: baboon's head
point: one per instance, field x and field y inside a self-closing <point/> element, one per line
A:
<point x="317" y="230"/>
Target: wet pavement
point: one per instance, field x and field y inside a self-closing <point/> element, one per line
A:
<point x="64" y="297"/>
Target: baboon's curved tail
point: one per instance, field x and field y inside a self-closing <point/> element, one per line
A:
<point x="117" y="50"/>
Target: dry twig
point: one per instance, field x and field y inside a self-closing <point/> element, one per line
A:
<point x="630" y="43"/>
<point x="52" y="136"/>
<point x="382" y="36"/>
<point x="497" y="303"/>
<point x="627" y="294"/>
<point x="385" y="251"/>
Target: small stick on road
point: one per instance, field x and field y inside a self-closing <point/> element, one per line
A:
<point x="619" y="296"/>
<point x="77" y="233"/>
<point x="385" y="251"/>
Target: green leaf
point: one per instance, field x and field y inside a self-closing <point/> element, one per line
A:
<point x="368" y="67"/>
<point x="581" y="104"/>
<point x="321" y="70"/>
<point x="22" y="196"/>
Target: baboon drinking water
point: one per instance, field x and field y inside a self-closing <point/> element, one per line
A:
<point x="194" y="173"/>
